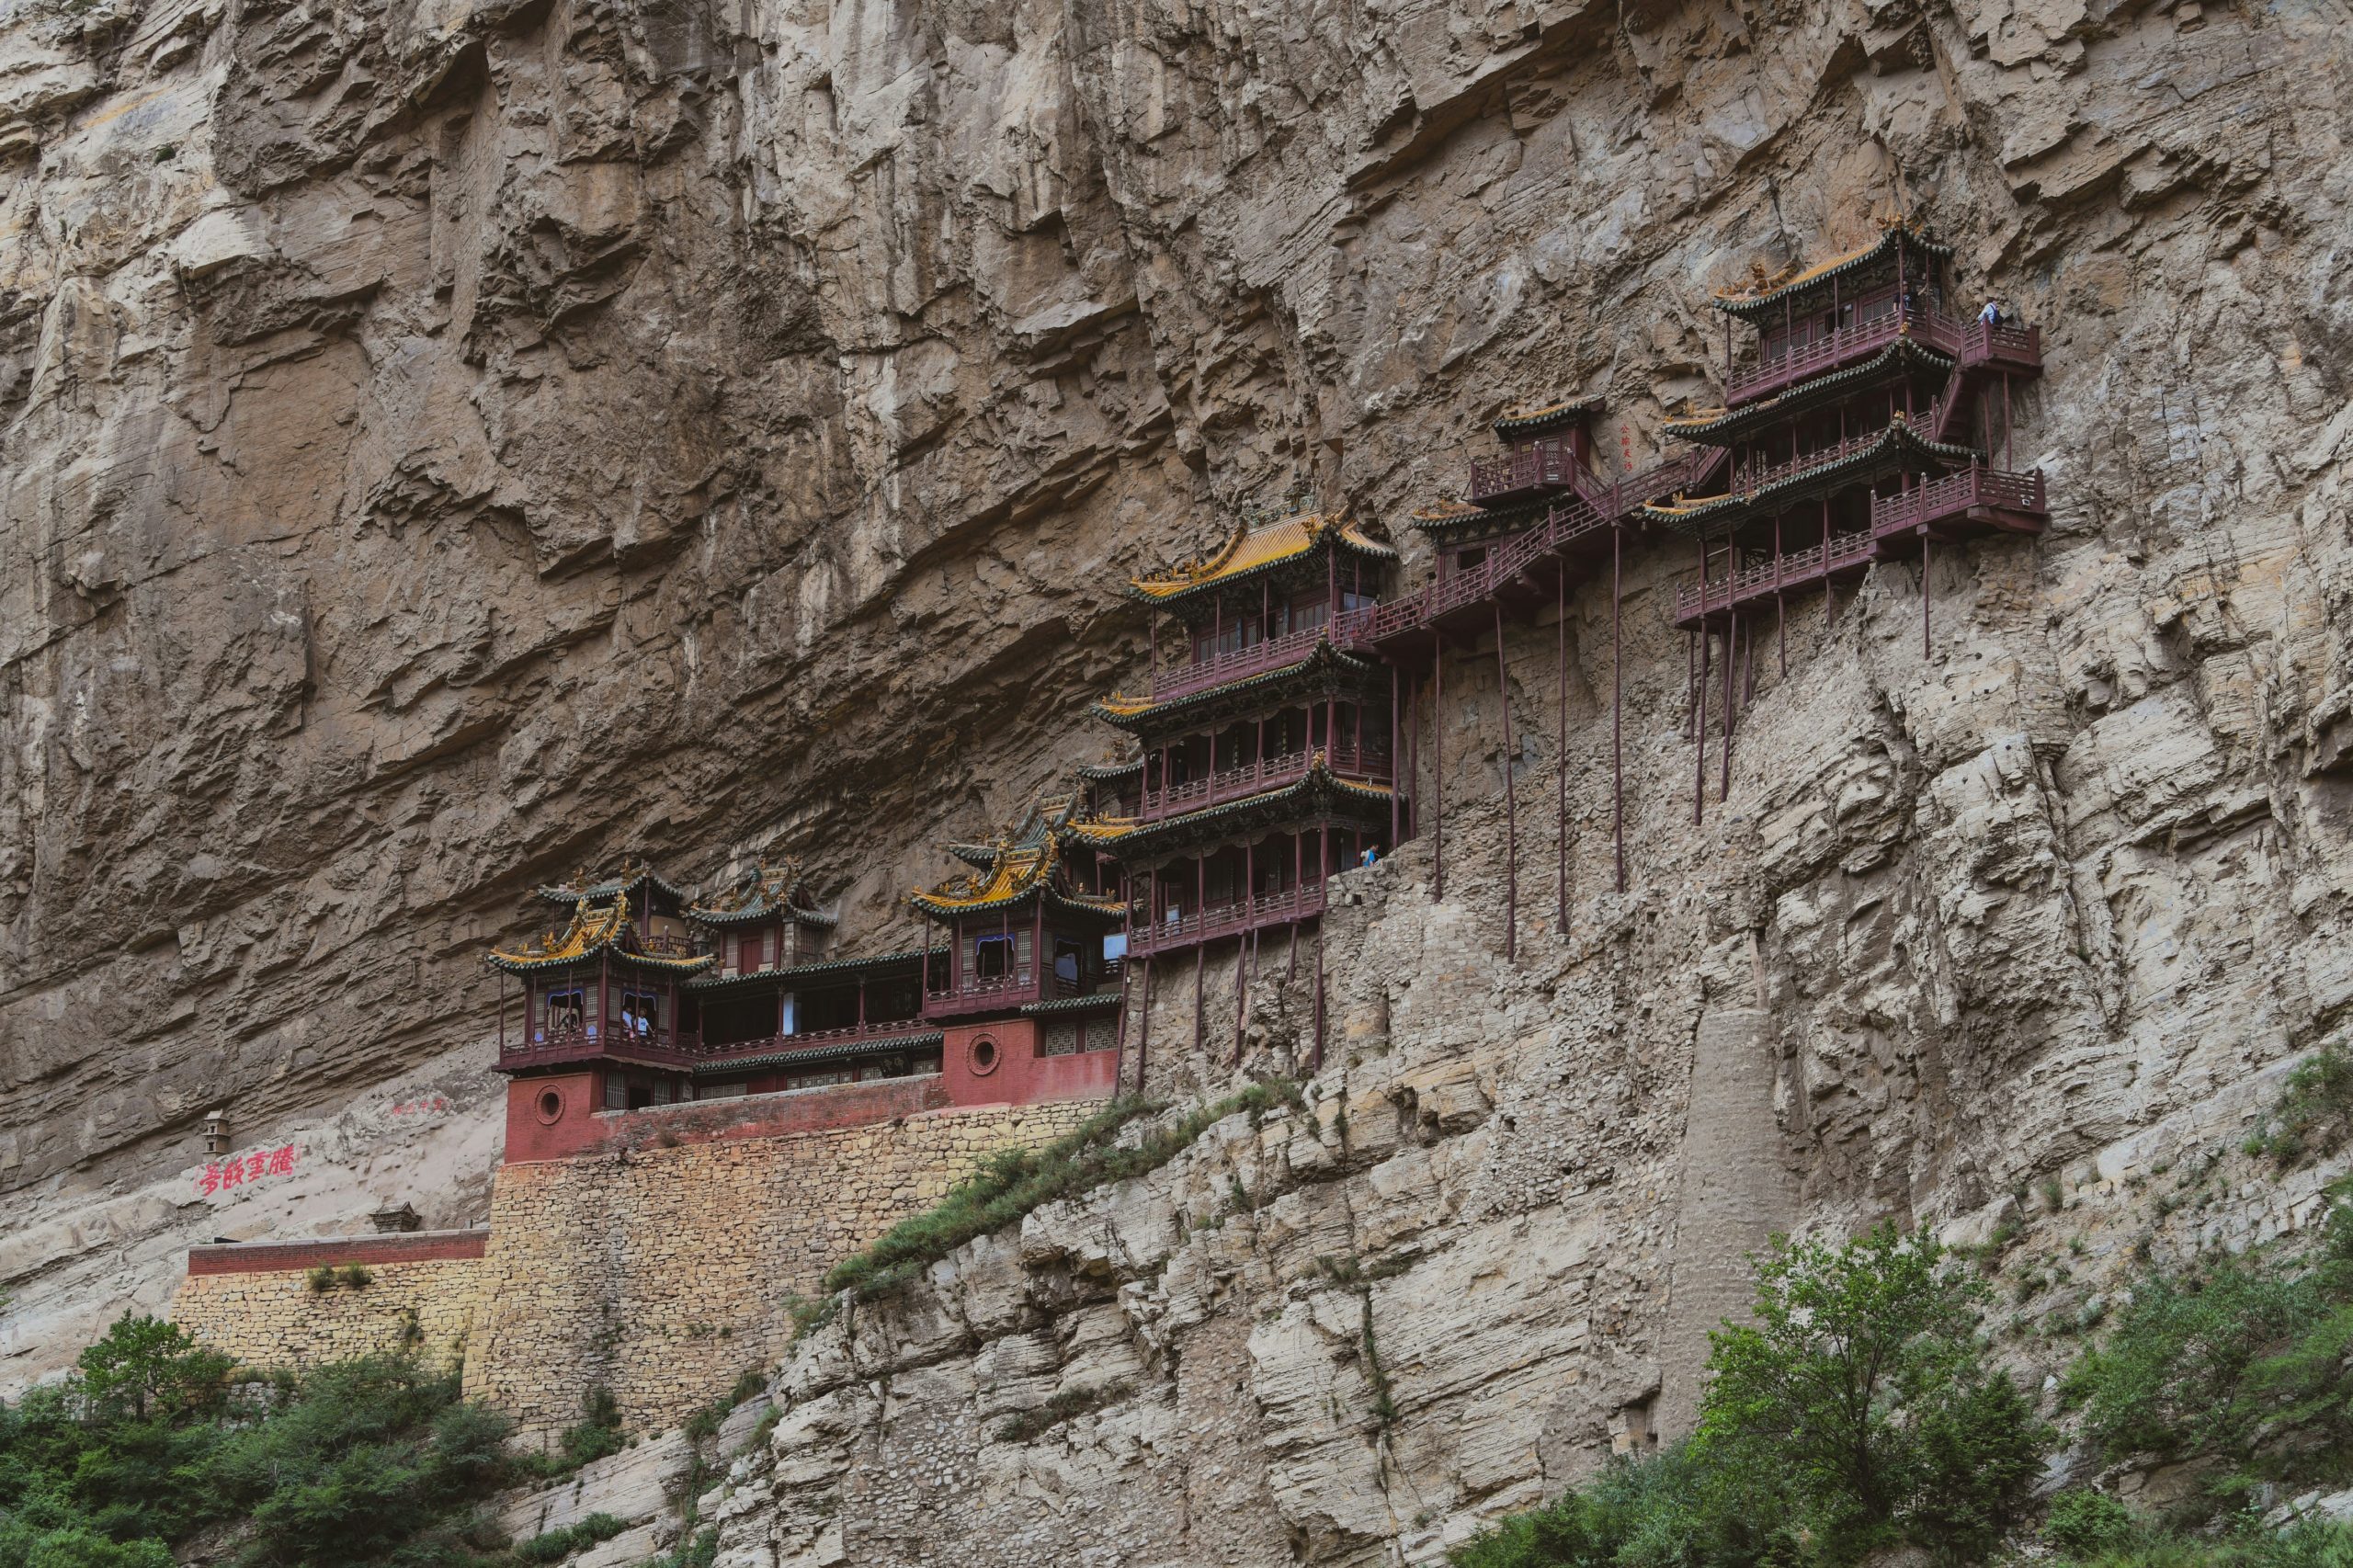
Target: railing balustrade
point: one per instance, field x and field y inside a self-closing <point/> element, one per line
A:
<point x="1977" y="486"/>
<point x="1538" y="465"/>
<point x="1796" y="568"/>
<point x="1226" y="919"/>
<point x="1254" y="778"/>
<point x="1864" y="337"/>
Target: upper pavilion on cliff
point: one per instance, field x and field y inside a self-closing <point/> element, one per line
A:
<point x="1266" y="752"/>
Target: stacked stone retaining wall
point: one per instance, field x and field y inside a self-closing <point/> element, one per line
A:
<point x="259" y="1304"/>
<point x="664" y="1271"/>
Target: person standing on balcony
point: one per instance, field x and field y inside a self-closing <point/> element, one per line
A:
<point x="1991" y="315"/>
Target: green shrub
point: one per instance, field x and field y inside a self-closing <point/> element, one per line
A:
<point x="321" y="1278"/>
<point x="1854" y="1412"/>
<point x="2199" y="1361"/>
<point x="356" y="1276"/>
<point x="698" y="1550"/>
<point x="1862" y="1389"/>
<point x="2313" y="1110"/>
<point x="558" y="1544"/>
<point x="150" y="1443"/>
<point x="2084" y="1523"/>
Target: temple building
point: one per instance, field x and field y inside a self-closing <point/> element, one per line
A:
<point x="1264" y="749"/>
<point x="778" y="1012"/>
<point x="1867" y="423"/>
<point x="1029" y="992"/>
<point x="649" y="997"/>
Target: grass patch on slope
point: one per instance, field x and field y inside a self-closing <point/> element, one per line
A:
<point x="1014" y="1181"/>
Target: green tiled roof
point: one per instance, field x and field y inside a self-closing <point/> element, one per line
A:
<point x="850" y="1050"/>
<point x="1722" y="429"/>
<point x="829" y="968"/>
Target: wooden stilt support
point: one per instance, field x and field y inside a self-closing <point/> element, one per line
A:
<point x="1200" y="952"/>
<point x="1560" y="748"/>
<point x="1617" y="711"/>
<point x="1319" y="999"/>
<point x="1143" y="1026"/>
<point x="1392" y="759"/>
<point x="1240" y="1000"/>
<point x="1511" y="815"/>
<point x="1732" y="633"/>
<point x="1780" y="610"/>
<point x="1924" y="586"/>
<point x="1700" y="714"/>
<point x="1291" y="963"/>
<point x="1437" y="765"/>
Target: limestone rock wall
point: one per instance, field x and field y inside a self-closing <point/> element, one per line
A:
<point x="440" y="445"/>
<point x="667" y="1272"/>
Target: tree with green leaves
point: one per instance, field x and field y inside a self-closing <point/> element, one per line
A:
<point x="146" y="1366"/>
<point x="1863" y="1385"/>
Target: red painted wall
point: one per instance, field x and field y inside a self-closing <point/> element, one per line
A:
<point x="532" y="1134"/>
<point x="575" y="1125"/>
<point x="278" y="1257"/>
<point x="1019" y="1076"/>
<point x="581" y="1129"/>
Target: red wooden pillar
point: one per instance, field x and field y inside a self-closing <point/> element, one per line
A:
<point x="1617" y="710"/>
<point x="1700" y="715"/>
<point x="1561" y="749"/>
<point x="1511" y="818"/>
<point x="1143" y="1026"/>
<point x="1392" y="763"/>
<point x="1731" y="632"/>
<point x="1437" y="765"/>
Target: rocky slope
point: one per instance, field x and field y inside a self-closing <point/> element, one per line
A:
<point x="443" y="444"/>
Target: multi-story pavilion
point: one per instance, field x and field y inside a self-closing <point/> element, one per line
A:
<point x="1265" y="757"/>
<point x="1028" y="993"/>
<point x="1867" y="424"/>
<point x="648" y="997"/>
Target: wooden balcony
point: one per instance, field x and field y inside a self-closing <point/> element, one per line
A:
<point x="662" y="1047"/>
<point x="1268" y="653"/>
<point x="1004" y="993"/>
<point x="1257" y="777"/>
<point x="815" y="1042"/>
<point x="1235" y="919"/>
<point x="2016" y="502"/>
<point x="1849" y="555"/>
<point x="1976" y="498"/>
<point x="1528" y="470"/>
<point x="1848" y="345"/>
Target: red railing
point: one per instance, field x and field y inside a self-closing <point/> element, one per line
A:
<point x="1678" y="474"/>
<point x="1982" y="342"/>
<point x="1976" y="485"/>
<point x="810" y="1039"/>
<point x="1752" y="476"/>
<point x="554" y="1048"/>
<point x="1862" y="338"/>
<point x="972" y="993"/>
<point x="1268" y="653"/>
<point x="1800" y="568"/>
<point x="1254" y="778"/>
<point x="1539" y="465"/>
<point x="1226" y="920"/>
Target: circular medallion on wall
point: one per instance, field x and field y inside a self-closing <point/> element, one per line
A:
<point x="984" y="1057"/>
<point x="550" y="1107"/>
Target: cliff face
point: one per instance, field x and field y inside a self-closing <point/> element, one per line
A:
<point x="443" y="444"/>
